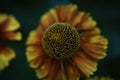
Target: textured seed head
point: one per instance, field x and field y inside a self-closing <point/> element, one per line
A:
<point x="60" y="40"/>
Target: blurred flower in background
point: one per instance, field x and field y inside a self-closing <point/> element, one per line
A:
<point x="100" y="78"/>
<point x="66" y="45"/>
<point x="8" y="27"/>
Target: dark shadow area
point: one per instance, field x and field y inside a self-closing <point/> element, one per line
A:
<point x="113" y="68"/>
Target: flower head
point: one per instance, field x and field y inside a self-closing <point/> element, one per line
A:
<point x="8" y="25"/>
<point x="61" y="41"/>
<point x="66" y="45"/>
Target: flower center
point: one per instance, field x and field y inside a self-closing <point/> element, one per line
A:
<point x="60" y="40"/>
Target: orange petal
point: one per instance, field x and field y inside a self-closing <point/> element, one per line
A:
<point x="8" y="23"/>
<point x="98" y="40"/>
<point x="100" y="54"/>
<point x="72" y="73"/>
<point x="10" y="35"/>
<point x="7" y="52"/>
<point x="44" y="69"/>
<point x="35" y="63"/>
<point x="95" y="47"/>
<point x="76" y="19"/>
<point x="61" y="11"/>
<point x="54" y="69"/>
<point x="54" y="15"/>
<point x="3" y="62"/>
<point x="86" y="23"/>
<point x="35" y="56"/>
<point x="34" y="38"/>
<point x="71" y="10"/>
<point x="4" y="23"/>
<point x="49" y="18"/>
<point x="33" y="52"/>
<point x="91" y="32"/>
<point x="60" y="75"/>
<point x="85" y="66"/>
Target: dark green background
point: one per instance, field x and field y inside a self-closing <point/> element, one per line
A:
<point x="28" y="12"/>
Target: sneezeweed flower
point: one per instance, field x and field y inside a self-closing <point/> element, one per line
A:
<point x="8" y="26"/>
<point x="100" y="78"/>
<point x="66" y="45"/>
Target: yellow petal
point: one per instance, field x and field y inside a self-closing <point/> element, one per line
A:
<point x="86" y="22"/>
<point x="35" y="56"/>
<point x="12" y="24"/>
<point x="44" y="69"/>
<point x="54" y="69"/>
<point x="49" y="18"/>
<point x="3" y="17"/>
<point x="70" y="11"/>
<point x="11" y="35"/>
<point x="98" y="40"/>
<point x="35" y="62"/>
<point x="34" y="38"/>
<point x="95" y="46"/>
<point x="60" y="75"/>
<point x="34" y="52"/>
<point x="61" y="11"/>
<point x="3" y="62"/>
<point x="86" y="66"/>
<point x="77" y="18"/>
<point x="89" y="23"/>
<point x="91" y="32"/>
<point x="4" y="24"/>
<point x="54" y="15"/>
<point x="7" y="52"/>
<point x="72" y="73"/>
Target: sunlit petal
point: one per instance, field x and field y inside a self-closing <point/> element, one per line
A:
<point x="11" y="35"/>
<point x="95" y="47"/>
<point x="85" y="65"/>
<point x="33" y="49"/>
<point x="61" y="11"/>
<point x="60" y="75"/>
<point x="72" y="10"/>
<point x="90" y="32"/>
<point x="8" y="27"/>
<point x="37" y="38"/>
<point x="72" y="72"/>
<point x="77" y="19"/>
<point x="8" y="23"/>
<point x="44" y="69"/>
<point x="86" y="22"/>
<point x="3" y="62"/>
<point x="6" y="54"/>
<point x="54" y="70"/>
<point x="49" y="18"/>
<point x="37" y="58"/>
